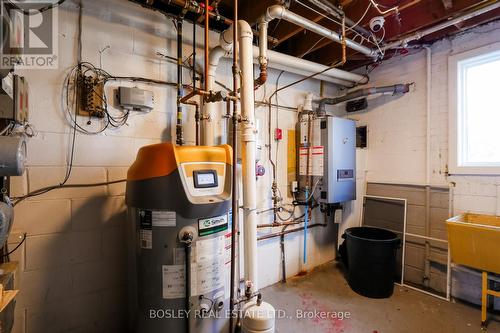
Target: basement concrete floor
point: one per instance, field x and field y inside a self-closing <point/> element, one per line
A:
<point x="326" y="291"/>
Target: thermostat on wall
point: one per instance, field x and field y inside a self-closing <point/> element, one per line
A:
<point x="135" y="99"/>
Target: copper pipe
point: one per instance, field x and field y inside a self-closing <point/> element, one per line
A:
<point x="234" y="198"/>
<point x="207" y="26"/>
<point x="261" y="80"/>
<point x="193" y="93"/>
<point x="198" y="10"/>
<point x="344" y="53"/>
<point x="278" y="224"/>
<point x="210" y="94"/>
<point x="286" y="232"/>
<point x="197" y="123"/>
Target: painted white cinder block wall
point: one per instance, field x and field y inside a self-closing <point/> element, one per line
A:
<point x="73" y="270"/>
<point x="396" y="150"/>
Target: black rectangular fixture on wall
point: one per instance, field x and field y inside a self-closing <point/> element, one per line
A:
<point x="361" y="137"/>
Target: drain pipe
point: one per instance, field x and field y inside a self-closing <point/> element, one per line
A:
<point x="248" y="153"/>
<point x="394" y="89"/>
<point x="209" y="108"/>
<point x="258" y="316"/>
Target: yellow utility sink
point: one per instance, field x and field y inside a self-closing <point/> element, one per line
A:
<point x="475" y="242"/>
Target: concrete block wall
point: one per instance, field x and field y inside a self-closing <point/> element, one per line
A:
<point x="73" y="273"/>
<point x="396" y="150"/>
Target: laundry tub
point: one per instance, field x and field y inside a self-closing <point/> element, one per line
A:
<point x="475" y="242"/>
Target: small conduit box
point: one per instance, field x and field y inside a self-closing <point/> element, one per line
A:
<point x="135" y="99"/>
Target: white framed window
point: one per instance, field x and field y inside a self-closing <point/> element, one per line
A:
<point x="474" y="83"/>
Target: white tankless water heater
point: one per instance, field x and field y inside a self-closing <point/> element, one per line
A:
<point x="179" y="201"/>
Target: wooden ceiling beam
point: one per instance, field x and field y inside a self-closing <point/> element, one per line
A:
<point x="425" y="14"/>
<point x="303" y="45"/>
<point x="283" y="30"/>
<point x="296" y="31"/>
<point x="250" y="11"/>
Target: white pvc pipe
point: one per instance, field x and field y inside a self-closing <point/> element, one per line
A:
<point x="294" y="65"/>
<point x="209" y="109"/>
<point x="305" y="67"/>
<point x="248" y="141"/>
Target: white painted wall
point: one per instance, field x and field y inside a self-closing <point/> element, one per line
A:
<point x="396" y="150"/>
<point x="73" y="272"/>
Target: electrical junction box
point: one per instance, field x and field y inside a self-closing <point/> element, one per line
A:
<point x="14" y="99"/>
<point x="135" y="99"/>
<point x="338" y="136"/>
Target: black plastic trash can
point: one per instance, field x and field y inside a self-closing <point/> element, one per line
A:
<point x="371" y="260"/>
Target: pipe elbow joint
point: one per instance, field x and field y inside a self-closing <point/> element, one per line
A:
<point x="226" y="39"/>
<point x="244" y="29"/>
<point x="274" y="12"/>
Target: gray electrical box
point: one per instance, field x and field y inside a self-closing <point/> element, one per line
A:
<point x="14" y="102"/>
<point x="338" y="136"/>
<point x="135" y="99"/>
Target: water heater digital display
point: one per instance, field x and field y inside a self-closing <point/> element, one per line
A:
<point x="205" y="178"/>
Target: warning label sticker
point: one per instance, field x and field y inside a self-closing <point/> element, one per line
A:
<point x="146" y="229"/>
<point x="174" y="281"/>
<point x="315" y="156"/>
<point x="208" y="269"/>
<point x="162" y="218"/>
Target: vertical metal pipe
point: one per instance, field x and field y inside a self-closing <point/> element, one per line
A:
<point x="427" y="233"/>
<point x="187" y="281"/>
<point x="235" y="210"/>
<point x="197" y="116"/>
<point x="283" y="259"/>
<point x="206" y="43"/>
<point x="178" y="130"/>
<point x="194" y="54"/>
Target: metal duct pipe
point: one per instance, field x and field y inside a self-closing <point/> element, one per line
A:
<point x="395" y="89"/>
<point x="339" y="14"/>
<point x="419" y="34"/>
<point x="280" y="12"/>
